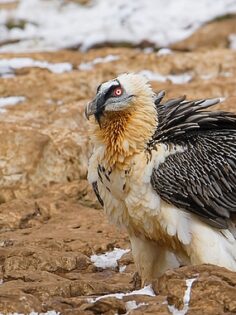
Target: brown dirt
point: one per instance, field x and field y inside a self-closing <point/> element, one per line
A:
<point x="50" y="222"/>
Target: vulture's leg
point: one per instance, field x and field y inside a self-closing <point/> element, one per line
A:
<point x="151" y="260"/>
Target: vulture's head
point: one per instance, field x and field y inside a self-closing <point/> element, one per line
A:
<point x="124" y="116"/>
<point x="123" y="94"/>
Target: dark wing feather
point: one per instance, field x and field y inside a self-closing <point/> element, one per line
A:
<point x="95" y="189"/>
<point x="202" y="179"/>
<point x="177" y="117"/>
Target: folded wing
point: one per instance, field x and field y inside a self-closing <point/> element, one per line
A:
<point x="202" y="178"/>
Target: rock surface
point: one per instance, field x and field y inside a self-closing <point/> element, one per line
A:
<point x="50" y="222"/>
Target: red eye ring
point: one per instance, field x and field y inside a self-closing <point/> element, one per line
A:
<point x="118" y="91"/>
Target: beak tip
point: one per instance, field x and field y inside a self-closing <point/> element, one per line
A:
<point x="90" y="109"/>
<point x="86" y="111"/>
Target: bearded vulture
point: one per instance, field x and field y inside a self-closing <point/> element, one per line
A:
<point x="166" y="171"/>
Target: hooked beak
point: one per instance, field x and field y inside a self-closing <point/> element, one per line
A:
<point x="90" y="109"/>
<point x="96" y="106"/>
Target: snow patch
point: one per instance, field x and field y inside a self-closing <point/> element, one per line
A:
<point x="132" y="305"/>
<point x="232" y="41"/>
<point x="174" y="78"/>
<point x="8" y="66"/>
<point x="86" y="66"/>
<point x="209" y="76"/>
<point x="53" y="25"/>
<point x="148" y="50"/>
<point x="226" y="74"/>
<point x="122" y="268"/>
<point x="186" y="300"/>
<point x="147" y="290"/>
<point x="10" y="101"/>
<point x="164" y="51"/>
<point x="109" y="259"/>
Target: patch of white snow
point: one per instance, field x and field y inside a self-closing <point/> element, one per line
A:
<point x="147" y="290"/>
<point x="232" y="41"/>
<point x="109" y="259"/>
<point x="10" y="101"/>
<point x="148" y="50"/>
<point x="86" y="66"/>
<point x="122" y="268"/>
<point x="53" y="25"/>
<point x="164" y="51"/>
<point x="186" y="299"/>
<point x="174" y="78"/>
<point x="8" y="66"/>
<point x="132" y="305"/>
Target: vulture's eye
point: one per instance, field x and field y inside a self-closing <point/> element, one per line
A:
<point x="117" y="92"/>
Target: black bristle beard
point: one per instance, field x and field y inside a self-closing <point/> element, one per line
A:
<point x="98" y="116"/>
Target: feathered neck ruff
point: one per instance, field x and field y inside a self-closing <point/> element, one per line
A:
<point x="125" y="133"/>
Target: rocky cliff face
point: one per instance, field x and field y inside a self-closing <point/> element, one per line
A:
<point x="50" y="222"/>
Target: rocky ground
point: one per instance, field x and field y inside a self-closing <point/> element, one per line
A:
<point x="50" y="221"/>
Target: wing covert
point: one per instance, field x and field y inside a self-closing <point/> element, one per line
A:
<point x="202" y="179"/>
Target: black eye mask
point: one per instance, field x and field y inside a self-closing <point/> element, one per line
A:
<point x="103" y="97"/>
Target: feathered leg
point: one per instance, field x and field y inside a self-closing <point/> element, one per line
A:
<point x="150" y="259"/>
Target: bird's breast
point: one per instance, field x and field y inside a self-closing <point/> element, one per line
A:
<point x="113" y="181"/>
<point x="130" y="200"/>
